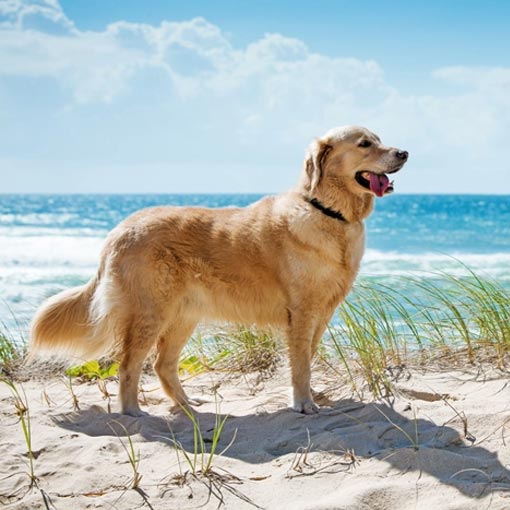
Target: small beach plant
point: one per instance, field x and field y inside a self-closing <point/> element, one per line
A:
<point x="200" y="461"/>
<point x="23" y="412"/>
<point x="132" y="455"/>
<point x="92" y="370"/>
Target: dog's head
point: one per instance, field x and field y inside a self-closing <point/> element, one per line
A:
<point x="353" y="159"/>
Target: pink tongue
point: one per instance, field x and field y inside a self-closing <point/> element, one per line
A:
<point x="379" y="184"/>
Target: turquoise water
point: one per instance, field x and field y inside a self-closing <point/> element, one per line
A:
<point x="51" y="242"/>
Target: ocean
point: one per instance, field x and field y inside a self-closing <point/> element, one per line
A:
<point x="52" y="242"/>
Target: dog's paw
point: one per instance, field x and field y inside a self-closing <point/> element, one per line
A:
<point x="188" y="403"/>
<point x="197" y="401"/>
<point x="305" y="407"/>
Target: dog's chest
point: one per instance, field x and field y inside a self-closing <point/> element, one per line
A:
<point x="335" y="261"/>
<point x="345" y="251"/>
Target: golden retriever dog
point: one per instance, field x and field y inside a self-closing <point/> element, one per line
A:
<point x="286" y="261"/>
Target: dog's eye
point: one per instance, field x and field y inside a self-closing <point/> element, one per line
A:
<point x="365" y="143"/>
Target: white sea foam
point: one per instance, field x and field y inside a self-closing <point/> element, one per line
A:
<point x="48" y="251"/>
<point x="32" y="231"/>
<point x="379" y="263"/>
<point x="39" y="219"/>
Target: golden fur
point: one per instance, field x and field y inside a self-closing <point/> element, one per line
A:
<point x="279" y="262"/>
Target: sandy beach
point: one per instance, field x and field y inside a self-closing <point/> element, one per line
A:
<point x="441" y="442"/>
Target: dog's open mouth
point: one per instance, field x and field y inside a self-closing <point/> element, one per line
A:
<point x="379" y="184"/>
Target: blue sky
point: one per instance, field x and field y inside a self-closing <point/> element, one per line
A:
<point x="163" y="96"/>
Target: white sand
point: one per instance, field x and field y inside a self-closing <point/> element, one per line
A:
<point x="360" y="455"/>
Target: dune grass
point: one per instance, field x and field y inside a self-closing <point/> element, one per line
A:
<point x="458" y="318"/>
<point x="231" y="349"/>
<point x="12" y="353"/>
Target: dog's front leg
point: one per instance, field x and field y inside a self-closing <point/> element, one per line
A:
<point x="299" y="339"/>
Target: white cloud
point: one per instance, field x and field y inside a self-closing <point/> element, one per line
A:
<point x="496" y="79"/>
<point x="195" y="54"/>
<point x="22" y="14"/>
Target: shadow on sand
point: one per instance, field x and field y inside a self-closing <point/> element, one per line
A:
<point x="373" y="431"/>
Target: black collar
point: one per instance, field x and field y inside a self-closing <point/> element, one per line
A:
<point x="328" y="212"/>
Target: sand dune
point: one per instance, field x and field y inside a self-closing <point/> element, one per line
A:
<point x="441" y="443"/>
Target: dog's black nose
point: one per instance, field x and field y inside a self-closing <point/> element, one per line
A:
<point x="402" y="155"/>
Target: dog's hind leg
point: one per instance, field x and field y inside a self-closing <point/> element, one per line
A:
<point x="135" y="345"/>
<point x="170" y="345"/>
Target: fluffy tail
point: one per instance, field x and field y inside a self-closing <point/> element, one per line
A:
<point x="63" y="324"/>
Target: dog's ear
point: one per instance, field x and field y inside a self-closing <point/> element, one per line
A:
<point x="314" y="162"/>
